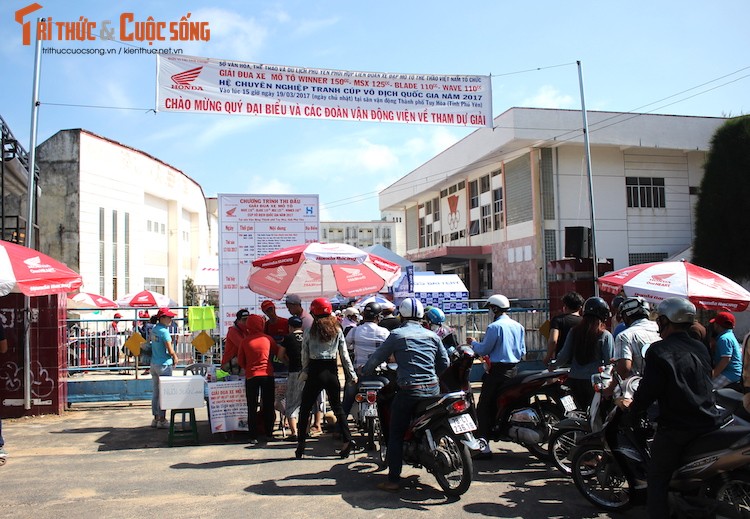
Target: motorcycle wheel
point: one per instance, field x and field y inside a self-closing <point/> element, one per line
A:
<point x="382" y="444"/>
<point x="561" y="445"/>
<point x="370" y="433"/>
<point x="735" y="492"/>
<point x="599" y="478"/>
<point x="552" y="416"/>
<point x="454" y="468"/>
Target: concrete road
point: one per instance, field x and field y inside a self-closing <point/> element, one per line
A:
<point x="103" y="460"/>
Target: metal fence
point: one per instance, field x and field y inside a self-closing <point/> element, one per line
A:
<point x="94" y="344"/>
<point x="97" y="343"/>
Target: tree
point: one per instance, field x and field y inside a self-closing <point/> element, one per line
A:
<point x="722" y="232"/>
<point x="190" y="291"/>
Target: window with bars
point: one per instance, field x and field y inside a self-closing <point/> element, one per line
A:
<point x="486" y="218"/>
<point x="473" y="194"/>
<point x="636" y="258"/>
<point x="436" y="210"/>
<point x="645" y="192"/>
<point x="484" y="184"/>
<point x="422" y="237"/>
<point x="497" y="208"/>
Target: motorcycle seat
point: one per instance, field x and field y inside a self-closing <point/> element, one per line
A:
<point x="424" y="404"/>
<point x="717" y="440"/>
<point x="370" y="385"/>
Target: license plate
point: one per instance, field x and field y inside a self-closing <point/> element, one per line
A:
<point x="371" y="411"/>
<point x="568" y="403"/>
<point x="462" y="423"/>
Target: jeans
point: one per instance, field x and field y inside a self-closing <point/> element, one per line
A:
<point x="158" y="370"/>
<point x="322" y="374"/>
<point x="401" y="416"/>
<point x="264" y="385"/>
<point x="487" y="406"/>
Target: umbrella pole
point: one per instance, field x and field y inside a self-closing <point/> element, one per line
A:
<point x="26" y="352"/>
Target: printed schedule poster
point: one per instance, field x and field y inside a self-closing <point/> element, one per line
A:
<point x="252" y="226"/>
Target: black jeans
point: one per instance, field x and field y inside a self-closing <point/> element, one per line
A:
<point x="666" y="451"/>
<point x="487" y="406"/>
<point x="265" y="386"/>
<point x="321" y="374"/>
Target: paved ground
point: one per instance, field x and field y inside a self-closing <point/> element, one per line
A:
<point x="103" y="460"/>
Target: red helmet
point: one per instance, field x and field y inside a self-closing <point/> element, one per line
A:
<point x="321" y="307"/>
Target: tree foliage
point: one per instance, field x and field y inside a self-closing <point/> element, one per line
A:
<point x="722" y="215"/>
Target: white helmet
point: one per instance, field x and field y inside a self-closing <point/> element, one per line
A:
<point x="411" y="308"/>
<point x="499" y="301"/>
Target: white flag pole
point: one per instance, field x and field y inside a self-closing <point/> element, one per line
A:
<point x="30" y="219"/>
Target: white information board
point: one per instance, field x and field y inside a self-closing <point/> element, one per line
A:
<point x="253" y="226"/>
<point x="181" y="392"/>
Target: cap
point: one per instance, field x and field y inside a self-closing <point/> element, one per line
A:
<point x="293" y="299"/>
<point x="165" y="312"/>
<point x="241" y="313"/>
<point x="118" y="315"/>
<point x="295" y="322"/>
<point x="267" y="304"/>
<point x="725" y="319"/>
<point x="351" y="311"/>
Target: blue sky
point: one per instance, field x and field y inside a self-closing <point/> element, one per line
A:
<point x="634" y="54"/>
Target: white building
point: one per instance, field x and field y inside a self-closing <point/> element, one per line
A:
<point x="387" y="232"/>
<point x="122" y="218"/>
<point x="493" y="208"/>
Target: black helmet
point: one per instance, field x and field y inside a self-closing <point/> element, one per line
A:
<point x="597" y="307"/>
<point x="371" y="310"/>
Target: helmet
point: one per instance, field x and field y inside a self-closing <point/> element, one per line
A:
<point x="677" y="310"/>
<point x="597" y="307"/>
<point x="633" y="307"/>
<point x="498" y="300"/>
<point x="435" y="315"/>
<point x="351" y="312"/>
<point x="616" y="302"/>
<point x="411" y="308"/>
<point x="321" y="307"/>
<point x="371" y="310"/>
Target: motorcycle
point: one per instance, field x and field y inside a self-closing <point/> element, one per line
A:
<point x="365" y="410"/>
<point x="609" y="467"/>
<point x="439" y="437"/>
<point x="577" y="423"/>
<point x="528" y="406"/>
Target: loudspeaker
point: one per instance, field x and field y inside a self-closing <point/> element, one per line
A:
<point x="577" y="240"/>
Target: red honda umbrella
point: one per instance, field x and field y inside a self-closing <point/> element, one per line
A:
<point x="321" y="270"/>
<point x="89" y="300"/>
<point x="145" y="299"/>
<point x="28" y="271"/>
<point x="658" y="281"/>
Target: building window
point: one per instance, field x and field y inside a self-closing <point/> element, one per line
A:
<point x="474" y="228"/>
<point x="428" y="207"/>
<point x="126" y="251"/>
<point x="101" y="250"/>
<point x="484" y="184"/>
<point x="428" y="234"/>
<point x="486" y="218"/>
<point x="645" y="192"/>
<point x="497" y="208"/>
<point x="436" y="210"/>
<point x="637" y="258"/>
<point x="473" y="194"/>
<point x="421" y="233"/>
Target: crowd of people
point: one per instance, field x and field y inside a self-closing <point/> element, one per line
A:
<point x="675" y="355"/>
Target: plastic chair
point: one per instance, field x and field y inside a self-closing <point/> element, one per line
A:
<point x="198" y="368"/>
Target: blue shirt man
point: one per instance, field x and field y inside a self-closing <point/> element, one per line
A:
<point x="504" y="343"/>
<point x="727" y="353"/>
<point x="421" y="357"/>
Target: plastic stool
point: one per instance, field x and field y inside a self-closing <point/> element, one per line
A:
<point x="192" y="432"/>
